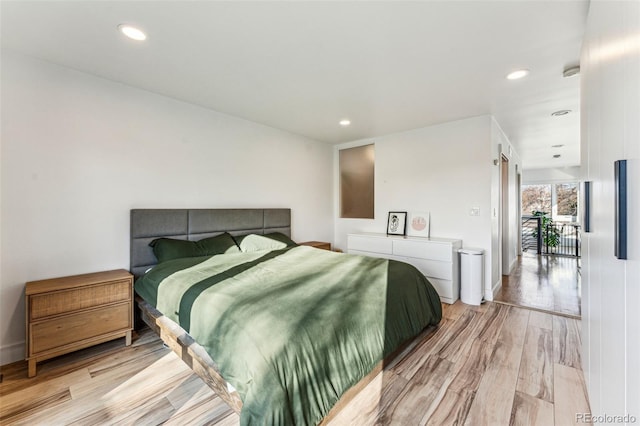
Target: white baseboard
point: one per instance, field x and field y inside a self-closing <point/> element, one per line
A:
<point x="11" y="353"/>
<point x="491" y="294"/>
<point x="496" y="287"/>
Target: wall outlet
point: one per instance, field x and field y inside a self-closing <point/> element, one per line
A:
<point x="475" y="211"/>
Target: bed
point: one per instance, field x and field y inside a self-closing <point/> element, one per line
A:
<point x="283" y="333"/>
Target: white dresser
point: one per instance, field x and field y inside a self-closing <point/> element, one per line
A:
<point x="436" y="258"/>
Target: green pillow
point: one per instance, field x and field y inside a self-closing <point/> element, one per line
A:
<point x="271" y="241"/>
<point x="169" y="248"/>
<point x="223" y="243"/>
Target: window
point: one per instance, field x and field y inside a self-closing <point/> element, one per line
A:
<point x="559" y="201"/>
<point x="536" y="198"/>
<point x="357" y="182"/>
<point x="566" y="195"/>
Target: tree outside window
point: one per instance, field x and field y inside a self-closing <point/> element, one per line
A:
<point x="567" y="200"/>
<point x="559" y="201"/>
<point x="536" y="198"/>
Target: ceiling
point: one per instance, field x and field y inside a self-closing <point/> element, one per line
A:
<point x="304" y="66"/>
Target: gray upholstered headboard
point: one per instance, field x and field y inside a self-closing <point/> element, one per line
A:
<point x="195" y="224"/>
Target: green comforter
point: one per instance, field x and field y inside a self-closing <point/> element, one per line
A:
<point x="293" y="329"/>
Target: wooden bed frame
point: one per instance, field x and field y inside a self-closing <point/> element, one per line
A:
<point x="189" y="351"/>
<point x="176" y="338"/>
<point x="197" y="358"/>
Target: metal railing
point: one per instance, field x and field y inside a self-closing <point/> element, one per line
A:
<point x="555" y="238"/>
<point x="531" y="236"/>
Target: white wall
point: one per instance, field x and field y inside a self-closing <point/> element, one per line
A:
<point x="445" y="169"/>
<point x="611" y="131"/>
<point x="552" y="175"/>
<point x="78" y="152"/>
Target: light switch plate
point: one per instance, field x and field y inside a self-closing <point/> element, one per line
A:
<point x="475" y="211"/>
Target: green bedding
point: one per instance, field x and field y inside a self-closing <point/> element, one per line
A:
<point x="293" y="329"/>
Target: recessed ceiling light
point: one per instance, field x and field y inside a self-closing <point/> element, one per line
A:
<point x="557" y="146"/>
<point x="517" y="74"/>
<point x="556" y="155"/>
<point x="132" y="32"/>
<point x="569" y="72"/>
<point x="345" y="122"/>
<point x="561" y="112"/>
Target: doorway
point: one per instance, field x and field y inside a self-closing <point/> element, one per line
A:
<point x="546" y="260"/>
<point x="519" y="210"/>
<point x="504" y="216"/>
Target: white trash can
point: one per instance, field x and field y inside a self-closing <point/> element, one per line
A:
<point x="471" y="275"/>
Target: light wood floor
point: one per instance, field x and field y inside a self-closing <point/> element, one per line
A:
<point x="548" y="283"/>
<point x="488" y="365"/>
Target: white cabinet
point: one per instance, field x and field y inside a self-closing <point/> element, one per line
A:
<point x="436" y="258"/>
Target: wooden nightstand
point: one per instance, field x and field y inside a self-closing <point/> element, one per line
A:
<point x="70" y="313"/>
<point x="317" y="244"/>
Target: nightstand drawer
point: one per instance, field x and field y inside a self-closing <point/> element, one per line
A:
<point x="317" y="244"/>
<point x="48" y="304"/>
<point x="72" y="328"/>
<point x="69" y="313"/>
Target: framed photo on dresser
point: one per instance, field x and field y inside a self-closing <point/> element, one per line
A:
<point x="397" y="223"/>
<point x="418" y="224"/>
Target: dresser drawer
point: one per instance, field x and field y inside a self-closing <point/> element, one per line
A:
<point x="433" y="268"/>
<point x="48" y="304"/>
<point x="369" y="244"/>
<point x="380" y="255"/>
<point x="436" y="258"/>
<point x="423" y="250"/>
<point x="61" y="331"/>
<point x="443" y="287"/>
